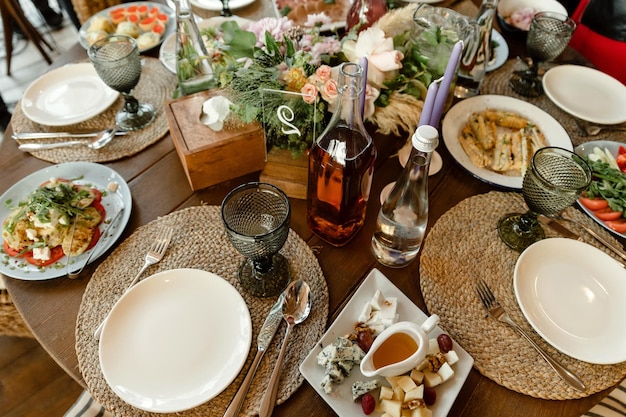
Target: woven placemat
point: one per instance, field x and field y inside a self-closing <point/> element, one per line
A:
<point x="156" y="86"/>
<point x="464" y="246"/>
<point x="497" y="82"/>
<point x="201" y="242"/>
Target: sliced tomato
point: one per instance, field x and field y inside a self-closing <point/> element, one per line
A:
<point x="593" y="204"/>
<point x="11" y="252"/>
<point x="621" y="161"/>
<point x="98" y="206"/>
<point x="56" y="253"/>
<point x="607" y="214"/>
<point x="618" y="225"/>
<point x="95" y="238"/>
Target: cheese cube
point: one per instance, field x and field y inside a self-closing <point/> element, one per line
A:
<point x="377" y="328"/>
<point x="431" y="379"/>
<point x="406" y="383"/>
<point x="433" y="346"/>
<point x="389" y="321"/>
<point x="391" y="407"/>
<point x="393" y="380"/>
<point x="42" y="254"/>
<point x="422" y="412"/>
<point x="451" y="357"/>
<point x="374" y="318"/>
<point x="366" y="313"/>
<point x="398" y="394"/>
<point x="445" y="372"/>
<point x="422" y="365"/>
<point x="377" y="300"/>
<point x="417" y="376"/>
<point x="389" y="308"/>
<point x="415" y="394"/>
<point x="386" y="393"/>
<point x="360" y="388"/>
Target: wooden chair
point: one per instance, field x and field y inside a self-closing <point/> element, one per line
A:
<point x="11" y="11"/>
<point x="86" y="8"/>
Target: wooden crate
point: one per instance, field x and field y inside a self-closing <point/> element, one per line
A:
<point x="211" y="157"/>
<point x="287" y="173"/>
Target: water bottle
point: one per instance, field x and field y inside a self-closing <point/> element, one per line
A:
<point x="403" y="218"/>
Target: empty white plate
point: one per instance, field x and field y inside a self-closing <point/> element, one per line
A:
<point x="586" y="93"/>
<point x="574" y="296"/>
<point x="175" y="340"/>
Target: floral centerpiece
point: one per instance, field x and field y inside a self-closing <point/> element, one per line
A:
<point x="275" y="54"/>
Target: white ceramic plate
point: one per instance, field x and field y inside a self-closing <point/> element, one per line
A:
<point x="67" y="95"/>
<point x="501" y="51"/>
<point x="216" y="5"/>
<point x="169" y="28"/>
<point x="97" y="176"/>
<point x="457" y="116"/>
<point x="586" y="93"/>
<point x="341" y="398"/>
<point x="167" y="53"/>
<point x="574" y="296"/>
<point x="175" y="340"/>
<point x="586" y="149"/>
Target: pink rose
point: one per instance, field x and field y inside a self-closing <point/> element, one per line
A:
<point x="324" y="73"/>
<point x="310" y="93"/>
<point x="329" y="91"/>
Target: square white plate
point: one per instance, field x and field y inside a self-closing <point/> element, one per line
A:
<point x="341" y="398"/>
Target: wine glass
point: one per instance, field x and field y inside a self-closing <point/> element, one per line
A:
<point x="256" y="217"/>
<point x="117" y="62"/>
<point x="554" y="180"/>
<point x="548" y="36"/>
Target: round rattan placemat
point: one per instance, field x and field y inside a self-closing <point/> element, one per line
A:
<point x="464" y="246"/>
<point x="200" y="242"/>
<point x="497" y="82"/>
<point x="155" y="87"/>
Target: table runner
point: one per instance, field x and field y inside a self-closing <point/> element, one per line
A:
<point x="200" y="242"/>
<point x="156" y="86"/>
<point x="497" y="82"/>
<point x="462" y="247"/>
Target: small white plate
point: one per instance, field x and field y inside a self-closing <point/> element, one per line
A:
<point x="501" y="51"/>
<point x="216" y="5"/>
<point x="340" y="399"/>
<point x="169" y="28"/>
<point x="457" y="116"/>
<point x="175" y="340"/>
<point x="88" y="173"/>
<point x="574" y="296"/>
<point x="586" y="149"/>
<point x="67" y="95"/>
<point x="167" y="53"/>
<point x="586" y="93"/>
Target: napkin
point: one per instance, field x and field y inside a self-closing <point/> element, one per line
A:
<point x="614" y="405"/>
<point x="86" y="406"/>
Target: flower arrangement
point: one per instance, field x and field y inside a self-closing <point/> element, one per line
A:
<point x="275" y="54"/>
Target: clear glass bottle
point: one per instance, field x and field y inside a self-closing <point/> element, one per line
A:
<point x="363" y="13"/>
<point x="403" y="218"/>
<point x="193" y="63"/>
<point x="341" y="166"/>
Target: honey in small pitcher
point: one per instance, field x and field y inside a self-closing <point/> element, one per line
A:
<point x="396" y="348"/>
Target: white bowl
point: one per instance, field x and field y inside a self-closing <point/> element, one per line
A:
<point x="507" y="7"/>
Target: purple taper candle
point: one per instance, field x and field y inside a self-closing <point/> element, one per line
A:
<point x="363" y="64"/>
<point x="444" y="88"/>
<point x="429" y="100"/>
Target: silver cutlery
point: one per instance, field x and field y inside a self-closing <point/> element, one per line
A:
<point x="268" y="330"/>
<point x="154" y="255"/>
<point x="59" y="135"/>
<point x="296" y="309"/>
<point x="496" y="311"/>
<point x="97" y="142"/>
<point x="593" y="130"/>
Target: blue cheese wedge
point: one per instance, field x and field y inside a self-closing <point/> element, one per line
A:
<point x="360" y="388"/>
<point x="338" y="360"/>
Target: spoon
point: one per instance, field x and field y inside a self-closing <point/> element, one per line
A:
<point x="296" y="309"/>
<point x="99" y="141"/>
<point x="593" y="130"/>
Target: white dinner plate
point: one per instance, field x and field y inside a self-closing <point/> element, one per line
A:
<point x="67" y="95"/>
<point x="216" y="5"/>
<point x="175" y="340"/>
<point x="169" y="28"/>
<point x="574" y="296"/>
<point x="88" y="173"/>
<point x="167" y="53"/>
<point x="457" y="116"/>
<point x="586" y="93"/>
<point x="586" y="149"/>
<point x="501" y="51"/>
<point x="340" y="400"/>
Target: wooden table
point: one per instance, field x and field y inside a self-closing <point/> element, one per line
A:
<point x="50" y="307"/>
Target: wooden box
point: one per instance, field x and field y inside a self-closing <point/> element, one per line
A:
<point x="286" y="172"/>
<point x="208" y="156"/>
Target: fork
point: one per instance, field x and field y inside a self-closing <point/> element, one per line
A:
<point x="154" y="255"/>
<point x="499" y="313"/>
<point x="597" y="236"/>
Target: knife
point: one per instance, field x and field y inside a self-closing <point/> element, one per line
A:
<point x="54" y="135"/>
<point x="273" y="320"/>
<point x="560" y="228"/>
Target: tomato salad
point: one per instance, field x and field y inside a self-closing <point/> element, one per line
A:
<point x="58" y="218"/>
<point x="606" y="196"/>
